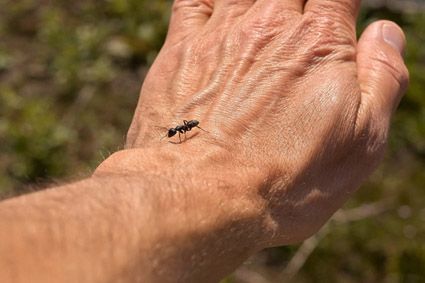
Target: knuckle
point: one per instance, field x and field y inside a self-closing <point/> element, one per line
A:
<point x="252" y="35"/>
<point x="394" y="64"/>
<point x="231" y="3"/>
<point x="336" y="25"/>
<point x="329" y="31"/>
<point x="235" y="8"/>
<point x="335" y="10"/>
<point x="403" y="76"/>
<point x="261" y="30"/>
<point x="195" y="5"/>
<point x="328" y="39"/>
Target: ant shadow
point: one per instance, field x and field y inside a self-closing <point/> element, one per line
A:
<point x="186" y="138"/>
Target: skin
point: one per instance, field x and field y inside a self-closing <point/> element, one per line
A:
<point x="297" y="112"/>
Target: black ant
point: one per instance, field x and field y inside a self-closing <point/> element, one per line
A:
<point x="182" y="129"/>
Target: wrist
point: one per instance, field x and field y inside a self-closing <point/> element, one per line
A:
<point x="206" y="204"/>
<point x="191" y="162"/>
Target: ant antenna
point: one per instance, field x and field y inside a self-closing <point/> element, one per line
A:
<point x="202" y="129"/>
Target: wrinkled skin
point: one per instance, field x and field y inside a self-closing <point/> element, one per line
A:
<point x="282" y="88"/>
<point x="297" y="113"/>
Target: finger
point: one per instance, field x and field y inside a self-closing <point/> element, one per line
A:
<point x="188" y="16"/>
<point x="340" y="10"/>
<point x="225" y="10"/>
<point x="383" y="76"/>
<point x="280" y="6"/>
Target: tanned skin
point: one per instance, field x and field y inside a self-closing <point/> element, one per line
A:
<point x="297" y="112"/>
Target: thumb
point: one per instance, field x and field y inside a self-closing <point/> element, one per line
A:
<point x="382" y="74"/>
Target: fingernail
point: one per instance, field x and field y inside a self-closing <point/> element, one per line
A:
<point x="393" y="36"/>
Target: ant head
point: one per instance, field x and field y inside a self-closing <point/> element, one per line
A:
<point x="171" y="132"/>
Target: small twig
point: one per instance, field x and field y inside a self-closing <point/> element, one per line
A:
<point x="249" y="276"/>
<point x="341" y="217"/>
<point x="362" y="212"/>
<point x="303" y="253"/>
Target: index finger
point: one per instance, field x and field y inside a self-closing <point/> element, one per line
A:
<point x="340" y="10"/>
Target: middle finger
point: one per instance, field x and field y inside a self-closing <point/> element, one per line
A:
<point x="225" y="10"/>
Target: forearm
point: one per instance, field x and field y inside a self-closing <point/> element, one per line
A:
<point x="153" y="225"/>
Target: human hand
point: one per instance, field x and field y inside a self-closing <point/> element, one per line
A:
<point x="283" y="88"/>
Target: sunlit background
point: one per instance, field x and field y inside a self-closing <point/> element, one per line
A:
<point x="70" y="74"/>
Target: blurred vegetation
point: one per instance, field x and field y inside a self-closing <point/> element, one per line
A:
<point x="70" y="73"/>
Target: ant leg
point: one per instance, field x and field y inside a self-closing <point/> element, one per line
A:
<point x="180" y="138"/>
<point x="185" y="122"/>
